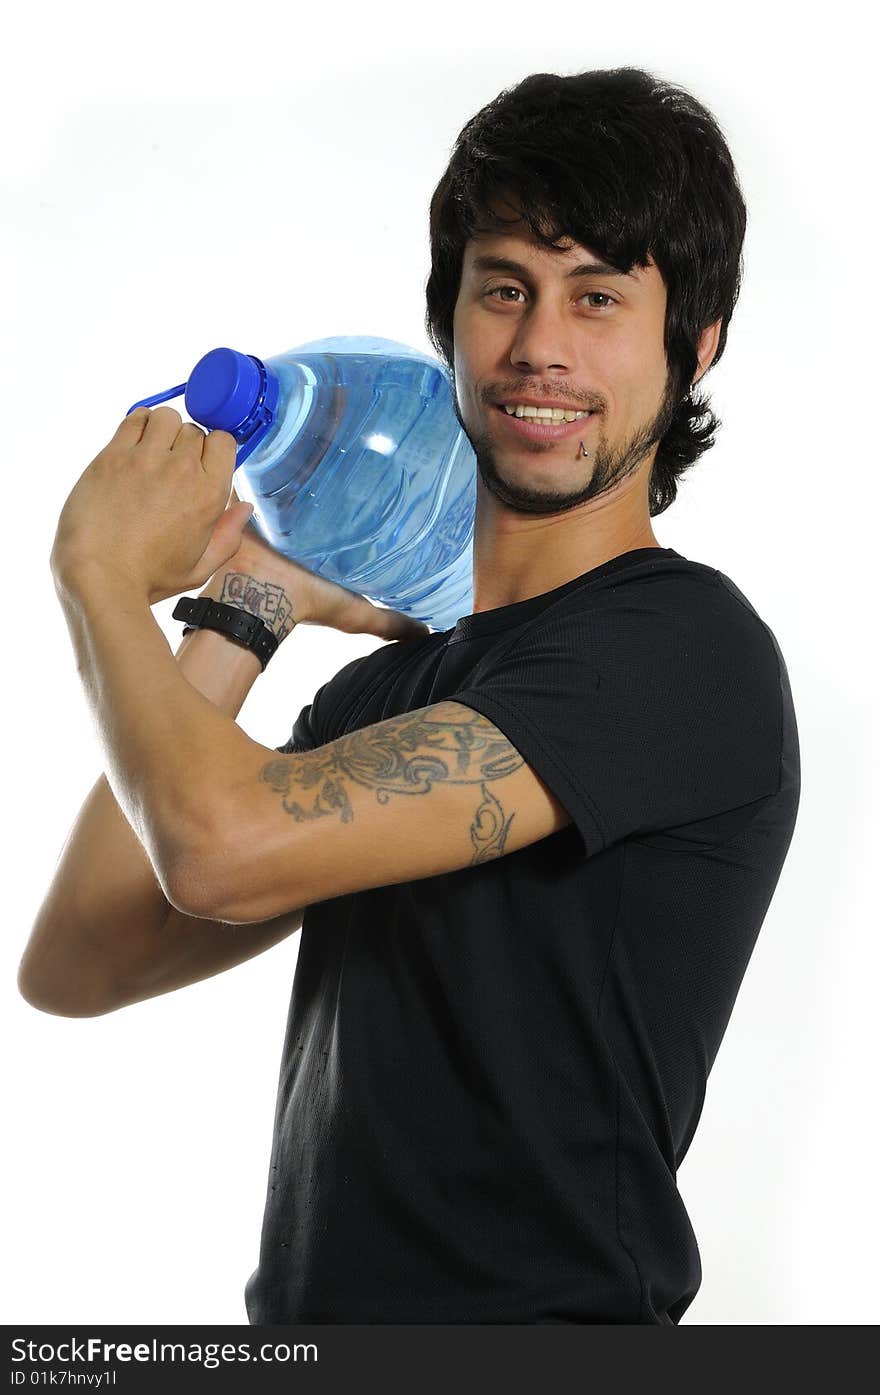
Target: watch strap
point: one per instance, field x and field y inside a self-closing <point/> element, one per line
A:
<point x="203" y="613"/>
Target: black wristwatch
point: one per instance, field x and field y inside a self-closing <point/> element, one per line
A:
<point x="201" y="613"/>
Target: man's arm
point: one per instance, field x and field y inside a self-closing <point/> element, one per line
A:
<point x="166" y="746"/>
<point x="105" y="936"/>
<point x="236" y="832"/>
<point x="168" y="749"/>
<point x="433" y="791"/>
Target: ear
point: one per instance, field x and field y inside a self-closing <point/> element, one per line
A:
<point x="706" y="347"/>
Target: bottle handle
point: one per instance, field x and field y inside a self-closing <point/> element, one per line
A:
<point x="242" y="452"/>
<point x="160" y="397"/>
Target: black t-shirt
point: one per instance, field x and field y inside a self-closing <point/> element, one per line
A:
<point x="490" y="1077"/>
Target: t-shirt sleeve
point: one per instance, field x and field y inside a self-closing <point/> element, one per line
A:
<point x="640" y="716"/>
<point x="325" y="716"/>
<point x="302" y="737"/>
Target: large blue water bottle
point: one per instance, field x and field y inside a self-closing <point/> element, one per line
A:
<point x="351" y="453"/>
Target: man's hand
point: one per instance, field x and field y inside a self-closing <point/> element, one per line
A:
<point x="156" y="511"/>
<point x="283" y="592"/>
<point x="151" y="508"/>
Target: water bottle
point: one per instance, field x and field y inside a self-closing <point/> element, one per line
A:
<point x="354" y="460"/>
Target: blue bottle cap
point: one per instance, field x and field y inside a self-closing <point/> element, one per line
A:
<point x="227" y="391"/>
<point x="223" y="389"/>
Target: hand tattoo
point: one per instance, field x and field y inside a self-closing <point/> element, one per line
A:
<point x="262" y="598"/>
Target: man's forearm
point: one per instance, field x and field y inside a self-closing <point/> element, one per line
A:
<point x="223" y="671"/>
<point x="166" y="746"/>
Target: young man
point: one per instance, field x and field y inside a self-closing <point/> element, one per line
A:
<point x="534" y="851"/>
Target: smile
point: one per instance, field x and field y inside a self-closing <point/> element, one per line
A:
<point x="543" y="413"/>
<point x="543" y="429"/>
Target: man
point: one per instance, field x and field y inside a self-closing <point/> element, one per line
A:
<point x="534" y="851"/>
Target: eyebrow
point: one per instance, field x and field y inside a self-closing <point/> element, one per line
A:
<point x="487" y="263"/>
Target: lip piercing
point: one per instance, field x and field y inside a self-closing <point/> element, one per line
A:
<point x="584" y="453"/>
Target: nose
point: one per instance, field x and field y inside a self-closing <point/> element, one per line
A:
<point x="542" y="342"/>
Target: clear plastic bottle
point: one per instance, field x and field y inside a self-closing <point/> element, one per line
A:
<point x="354" y="460"/>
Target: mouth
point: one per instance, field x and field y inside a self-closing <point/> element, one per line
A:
<point x="533" y="430"/>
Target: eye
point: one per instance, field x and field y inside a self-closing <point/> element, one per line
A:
<point x="496" y="290"/>
<point x="595" y="294"/>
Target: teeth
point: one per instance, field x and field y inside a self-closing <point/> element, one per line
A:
<point x="544" y="413"/>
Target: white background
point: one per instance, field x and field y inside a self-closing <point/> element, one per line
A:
<point x="179" y="176"/>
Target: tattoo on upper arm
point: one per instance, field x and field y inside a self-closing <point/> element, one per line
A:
<point x="489" y="829"/>
<point x="411" y="754"/>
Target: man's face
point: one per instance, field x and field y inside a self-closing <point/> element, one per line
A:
<point x="591" y="340"/>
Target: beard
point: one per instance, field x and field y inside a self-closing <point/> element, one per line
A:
<point x="609" y="465"/>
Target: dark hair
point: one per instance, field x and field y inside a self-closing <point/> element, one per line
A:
<point x="625" y="164"/>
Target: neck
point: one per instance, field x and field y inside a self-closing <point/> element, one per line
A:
<point x="519" y="555"/>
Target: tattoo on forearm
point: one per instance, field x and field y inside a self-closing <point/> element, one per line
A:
<point x="262" y="598"/>
<point x="444" y="743"/>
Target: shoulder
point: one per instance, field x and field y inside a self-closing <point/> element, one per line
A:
<point x="675" y="595"/>
<point x="670" y="604"/>
<point x="338" y="703"/>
